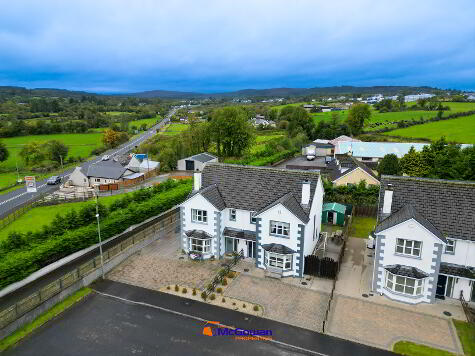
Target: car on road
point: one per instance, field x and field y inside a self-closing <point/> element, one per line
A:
<point x="53" y="180"/>
<point x="106" y="157"/>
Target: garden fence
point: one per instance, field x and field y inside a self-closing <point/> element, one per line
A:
<point x="126" y="240"/>
<point x="365" y="210"/>
<point x="223" y="272"/>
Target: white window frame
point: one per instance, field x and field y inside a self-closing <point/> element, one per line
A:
<point x="277" y="260"/>
<point x="252" y="217"/>
<point x="200" y="245"/>
<point x="199" y="216"/>
<point x="403" y="285"/>
<point x="279" y="228"/>
<point x="450" y="247"/>
<point x="408" y="248"/>
<point x="232" y="215"/>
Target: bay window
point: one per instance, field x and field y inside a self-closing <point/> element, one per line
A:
<point x="199" y="245"/>
<point x="279" y="228"/>
<point x="278" y="261"/>
<point x="200" y="216"/>
<point x="408" y="247"/>
<point x="404" y="285"/>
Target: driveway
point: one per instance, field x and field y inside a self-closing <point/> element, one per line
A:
<point x="281" y="301"/>
<point x="160" y="264"/>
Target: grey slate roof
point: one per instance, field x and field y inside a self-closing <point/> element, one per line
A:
<point x="240" y="234"/>
<point x="406" y="271"/>
<point x="212" y="194"/>
<point x="278" y="248"/>
<point x="351" y="163"/>
<point x="255" y="188"/>
<point x="202" y="157"/>
<point x="198" y="234"/>
<point x="106" y="169"/>
<point x="292" y="205"/>
<point x="457" y="270"/>
<point x="405" y="213"/>
<point x="447" y="204"/>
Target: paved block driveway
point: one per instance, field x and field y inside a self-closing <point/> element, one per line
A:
<point x="382" y="325"/>
<point x="282" y="302"/>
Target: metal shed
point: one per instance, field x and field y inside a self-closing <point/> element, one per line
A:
<point x="195" y="162"/>
<point x="333" y="213"/>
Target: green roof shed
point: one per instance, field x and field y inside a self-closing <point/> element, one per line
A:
<point x="333" y="213"/>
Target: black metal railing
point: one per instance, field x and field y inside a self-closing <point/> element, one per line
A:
<point x="469" y="313"/>
<point x="223" y="272"/>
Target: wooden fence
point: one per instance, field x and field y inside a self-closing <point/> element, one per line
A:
<point x="140" y="233"/>
<point x="128" y="182"/>
<point x="365" y="210"/>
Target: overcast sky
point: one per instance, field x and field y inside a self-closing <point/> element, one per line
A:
<point x="205" y="45"/>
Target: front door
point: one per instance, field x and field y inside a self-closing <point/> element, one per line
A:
<point x="330" y="217"/>
<point x="251" y="249"/>
<point x="231" y="245"/>
<point x="190" y="165"/>
<point x="440" y="291"/>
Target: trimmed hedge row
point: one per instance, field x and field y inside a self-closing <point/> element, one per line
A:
<point x="19" y="264"/>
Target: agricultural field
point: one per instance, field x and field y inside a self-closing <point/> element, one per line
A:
<point x="174" y="129"/>
<point x="79" y="145"/>
<point x="34" y="219"/>
<point x="149" y="122"/>
<point x="279" y="107"/>
<point x="461" y="130"/>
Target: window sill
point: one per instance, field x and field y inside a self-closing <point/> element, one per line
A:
<point x="408" y="256"/>
<point x="280" y="236"/>
<point x="199" y="222"/>
<point x="403" y="294"/>
<point x="449" y="253"/>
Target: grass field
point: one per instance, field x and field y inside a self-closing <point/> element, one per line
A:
<point x="174" y="129"/>
<point x="361" y="226"/>
<point x="149" y="122"/>
<point x="460" y="130"/>
<point x="279" y="107"/>
<point x="34" y="219"/>
<point x="79" y="145"/>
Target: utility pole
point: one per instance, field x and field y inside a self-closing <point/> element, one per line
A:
<point x="17" y="173"/>
<point x="61" y="158"/>
<point x="99" y="233"/>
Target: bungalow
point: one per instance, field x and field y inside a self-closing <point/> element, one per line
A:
<point x="425" y="240"/>
<point x="347" y="170"/>
<point x="272" y="215"/>
<point x="195" y="162"/>
<point x="318" y="149"/>
<point x="102" y="172"/>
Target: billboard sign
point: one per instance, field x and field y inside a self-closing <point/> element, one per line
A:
<point x="30" y="183"/>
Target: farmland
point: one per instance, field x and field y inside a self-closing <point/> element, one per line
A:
<point x="174" y="129"/>
<point x="79" y="145"/>
<point x="149" y="122"/>
<point x="461" y="130"/>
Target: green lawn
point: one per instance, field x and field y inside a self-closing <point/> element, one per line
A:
<point x="7" y="179"/>
<point x="43" y="318"/>
<point x="266" y="138"/>
<point x="79" y="145"/>
<point x="466" y="333"/>
<point x="361" y="226"/>
<point x="411" y="349"/>
<point x="149" y="122"/>
<point x="460" y="130"/>
<point x="34" y="219"/>
<point x="174" y="129"/>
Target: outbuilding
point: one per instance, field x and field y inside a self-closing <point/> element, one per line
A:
<point x="195" y="162"/>
<point x="333" y="213"/>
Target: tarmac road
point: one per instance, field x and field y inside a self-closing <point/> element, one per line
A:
<point x="13" y="200"/>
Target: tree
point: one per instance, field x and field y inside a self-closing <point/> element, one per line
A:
<point x="33" y="153"/>
<point x="231" y="131"/>
<point x="389" y="165"/>
<point x="412" y="164"/>
<point x="112" y="138"/>
<point x="299" y="121"/>
<point x="357" y="116"/>
<point x="56" y="151"/>
<point x="3" y="152"/>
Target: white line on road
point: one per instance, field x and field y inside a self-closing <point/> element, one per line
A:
<point x="203" y="320"/>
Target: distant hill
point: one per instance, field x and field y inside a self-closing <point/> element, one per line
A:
<point x="9" y="91"/>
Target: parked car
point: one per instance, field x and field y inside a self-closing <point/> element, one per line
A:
<point x="53" y="180"/>
<point x="106" y="157"/>
<point x="371" y="241"/>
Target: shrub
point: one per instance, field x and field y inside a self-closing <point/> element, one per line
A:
<point x="176" y="288"/>
<point x="223" y="300"/>
<point x="212" y="296"/>
<point x="219" y="290"/>
<point x="234" y="303"/>
<point x="168" y="287"/>
<point x="194" y="291"/>
<point x="224" y="282"/>
<point x="184" y="290"/>
<point x="256" y="308"/>
<point x="203" y="295"/>
<point x="244" y="305"/>
<point x="231" y="274"/>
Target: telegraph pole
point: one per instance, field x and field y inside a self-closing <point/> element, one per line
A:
<point x="99" y="233"/>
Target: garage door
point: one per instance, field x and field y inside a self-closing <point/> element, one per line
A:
<point x="190" y="165"/>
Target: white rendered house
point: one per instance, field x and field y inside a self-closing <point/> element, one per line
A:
<point x="272" y="215"/>
<point x="425" y="240"/>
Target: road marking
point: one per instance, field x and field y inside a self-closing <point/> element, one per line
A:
<point x="203" y="320"/>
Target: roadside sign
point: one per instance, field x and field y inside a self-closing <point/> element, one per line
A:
<point x="30" y="183"/>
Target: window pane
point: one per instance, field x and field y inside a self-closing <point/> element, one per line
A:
<point x="416" y="252"/>
<point x="418" y="290"/>
<point x="389" y="284"/>
<point x="400" y="242"/>
<point x="407" y="250"/>
<point x="399" y="288"/>
<point x="417" y="244"/>
<point x="399" y="249"/>
<point x="409" y="290"/>
<point x="409" y="243"/>
<point x="400" y="280"/>
<point x="410" y="282"/>
<point x="390" y="276"/>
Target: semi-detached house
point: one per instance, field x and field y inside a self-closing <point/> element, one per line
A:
<point x="425" y="240"/>
<point x="272" y="215"/>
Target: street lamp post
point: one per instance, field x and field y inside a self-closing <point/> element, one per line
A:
<point x="99" y="233"/>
